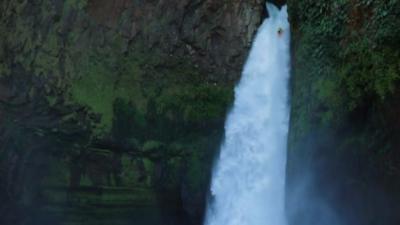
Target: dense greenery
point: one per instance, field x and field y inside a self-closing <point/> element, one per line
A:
<point x="345" y="83"/>
<point x="348" y="51"/>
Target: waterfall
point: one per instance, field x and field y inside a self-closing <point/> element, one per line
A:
<point x="249" y="178"/>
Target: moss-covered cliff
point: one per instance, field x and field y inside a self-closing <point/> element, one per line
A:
<point x="101" y="96"/>
<point x="344" y="135"/>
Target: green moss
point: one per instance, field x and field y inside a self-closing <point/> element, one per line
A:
<point x="136" y="79"/>
<point x="96" y="90"/>
<point x="196" y="103"/>
<point x="100" y="83"/>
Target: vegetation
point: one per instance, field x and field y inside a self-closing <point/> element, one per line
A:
<point x="346" y="50"/>
<point x="98" y="110"/>
<point x="345" y="92"/>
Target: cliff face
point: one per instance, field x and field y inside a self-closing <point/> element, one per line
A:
<point x="215" y="35"/>
<point x="104" y="96"/>
<point x="343" y="144"/>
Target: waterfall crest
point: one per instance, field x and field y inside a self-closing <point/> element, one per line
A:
<point x="249" y="179"/>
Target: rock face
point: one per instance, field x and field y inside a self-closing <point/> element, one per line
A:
<point x="343" y="147"/>
<point x="215" y="34"/>
<point x="120" y="93"/>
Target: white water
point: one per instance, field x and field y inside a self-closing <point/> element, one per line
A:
<point x="249" y="179"/>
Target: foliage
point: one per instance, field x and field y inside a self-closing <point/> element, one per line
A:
<point x="345" y="93"/>
<point x="346" y="57"/>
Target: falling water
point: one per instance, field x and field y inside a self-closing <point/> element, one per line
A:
<point x="249" y="179"/>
